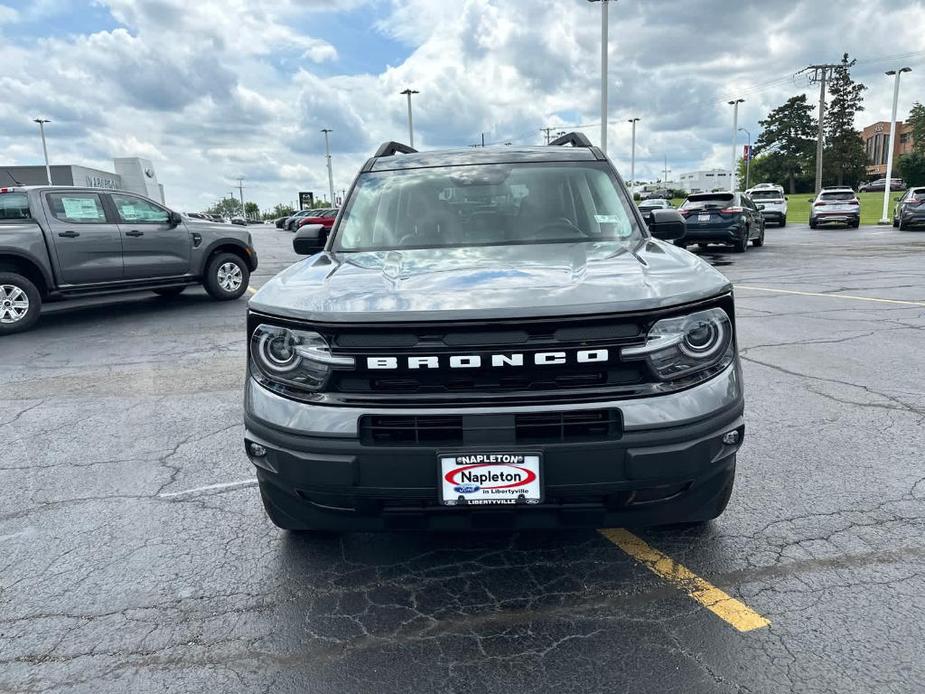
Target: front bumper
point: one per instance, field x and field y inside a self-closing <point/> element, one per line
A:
<point x="668" y="465"/>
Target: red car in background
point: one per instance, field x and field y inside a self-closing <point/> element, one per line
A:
<point x="324" y="217"/>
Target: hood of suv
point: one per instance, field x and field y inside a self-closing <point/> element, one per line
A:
<point x="488" y="282"/>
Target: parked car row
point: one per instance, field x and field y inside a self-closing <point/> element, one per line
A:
<point x="879" y="185"/>
<point x="317" y="215"/>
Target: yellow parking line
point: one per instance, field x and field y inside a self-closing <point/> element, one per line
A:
<point x="833" y="296"/>
<point x="727" y="608"/>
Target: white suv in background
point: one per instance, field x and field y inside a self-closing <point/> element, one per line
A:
<point x="836" y="204"/>
<point x="775" y="202"/>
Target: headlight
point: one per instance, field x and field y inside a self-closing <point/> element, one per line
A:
<point x="679" y="347"/>
<point x="295" y="358"/>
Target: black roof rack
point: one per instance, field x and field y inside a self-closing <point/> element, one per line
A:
<point x="388" y="149"/>
<point x="574" y="139"/>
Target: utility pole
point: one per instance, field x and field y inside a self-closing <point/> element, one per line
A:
<point x="327" y="153"/>
<point x="665" y="180"/>
<point x="547" y="131"/>
<point x="633" y="122"/>
<point x="483" y="139"/>
<point x="820" y="74"/>
<point x="409" y="92"/>
<point x="41" y="122"/>
<point x="241" y="194"/>
<point x="604" y="42"/>
<point x="748" y="159"/>
<point x="887" y="189"/>
<point x="735" y="132"/>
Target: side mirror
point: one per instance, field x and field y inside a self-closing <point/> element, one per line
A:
<point x="667" y="225"/>
<point x="174" y="218"/>
<point x="309" y="239"/>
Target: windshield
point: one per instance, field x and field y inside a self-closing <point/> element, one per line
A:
<point x="485" y="205"/>
<point x="14" y="206"/>
<point x="717" y="200"/>
<point x="766" y="195"/>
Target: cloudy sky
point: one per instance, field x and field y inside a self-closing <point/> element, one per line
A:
<point x="213" y="89"/>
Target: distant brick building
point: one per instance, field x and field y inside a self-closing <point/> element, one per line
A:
<point x="876" y="142"/>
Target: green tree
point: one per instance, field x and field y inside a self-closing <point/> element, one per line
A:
<point x="917" y="121"/>
<point x="226" y="207"/>
<point x="280" y="210"/>
<point x="251" y="210"/>
<point x="845" y="160"/>
<point x="787" y="141"/>
<point x="912" y="168"/>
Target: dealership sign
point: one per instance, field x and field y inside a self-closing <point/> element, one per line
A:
<point x="100" y="182"/>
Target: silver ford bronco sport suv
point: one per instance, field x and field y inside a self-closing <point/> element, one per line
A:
<point x="493" y="338"/>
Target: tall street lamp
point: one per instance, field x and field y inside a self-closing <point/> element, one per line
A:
<point x="409" y="92"/>
<point x="604" y="41"/>
<point x="633" y="122"/>
<point x="748" y="159"/>
<point x="327" y="154"/>
<point x="889" y="157"/>
<point x="735" y="133"/>
<point x="41" y="122"/>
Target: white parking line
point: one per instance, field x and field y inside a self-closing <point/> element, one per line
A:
<point x="223" y="486"/>
<point x="849" y="297"/>
<point x="251" y="290"/>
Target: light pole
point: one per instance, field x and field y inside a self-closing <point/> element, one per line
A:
<point x="633" y="122"/>
<point x="889" y="157"/>
<point x="604" y="41"/>
<point x="748" y="160"/>
<point x="735" y="132"/>
<point x="409" y="92"/>
<point x="327" y="153"/>
<point x="41" y="122"/>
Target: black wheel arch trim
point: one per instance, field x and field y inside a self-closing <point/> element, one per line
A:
<point x="47" y="279"/>
<point x="233" y="246"/>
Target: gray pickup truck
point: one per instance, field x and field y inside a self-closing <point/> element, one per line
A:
<point x="59" y="242"/>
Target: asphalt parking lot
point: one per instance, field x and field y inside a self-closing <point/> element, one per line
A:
<point x="135" y="555"/>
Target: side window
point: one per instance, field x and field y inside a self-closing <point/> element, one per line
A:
<point x="139" y="211"/>
<point x="14" y="206"/>
<point x="76" y="208"/>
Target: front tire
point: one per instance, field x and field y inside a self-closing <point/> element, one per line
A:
<point x="226" y="277"/>
<point x="20" y="303"/>
<point x="783" y="221"/>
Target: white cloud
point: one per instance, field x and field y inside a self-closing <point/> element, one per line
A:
<point x="8" y="15"/>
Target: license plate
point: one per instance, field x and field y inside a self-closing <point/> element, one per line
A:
<point x="703" y="218"/>
<point x="483" y="478"/>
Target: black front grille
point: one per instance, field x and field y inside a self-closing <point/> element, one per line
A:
<point x="566" y="427"/>
<point x="411" y="430"/>
<point x="525" y="428"/>
<point x="527" y="339"/>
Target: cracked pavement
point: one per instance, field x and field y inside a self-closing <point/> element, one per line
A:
<point x="110" y="580"/>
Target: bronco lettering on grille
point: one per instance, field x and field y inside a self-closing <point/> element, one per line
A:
<point x="474" y="361"/>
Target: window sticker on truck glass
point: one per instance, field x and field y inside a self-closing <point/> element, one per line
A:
<point x="83" y="209"/>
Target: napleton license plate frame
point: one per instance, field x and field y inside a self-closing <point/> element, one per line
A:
<point x="535" y="467"/>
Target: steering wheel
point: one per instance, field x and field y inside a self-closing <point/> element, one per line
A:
<point x="426" y="230"/>
<point x="560" y="223"/>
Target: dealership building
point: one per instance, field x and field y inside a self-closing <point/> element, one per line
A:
<point x="877" y="145"/>
<point x="132" y="174"/>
